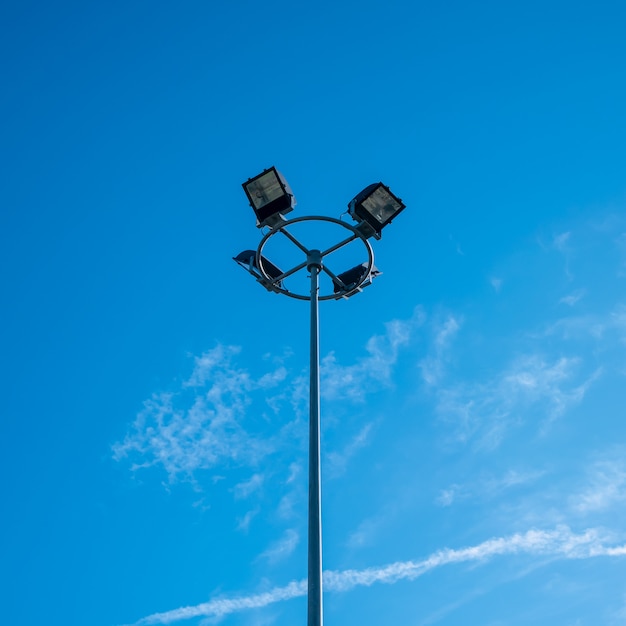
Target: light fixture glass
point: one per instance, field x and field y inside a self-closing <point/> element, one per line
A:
<point x="264" y="190"/>
<point x="374" y="208"/>
<point x="270" y="197"/>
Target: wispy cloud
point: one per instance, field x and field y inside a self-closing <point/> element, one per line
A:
<point x="433" y="365"/>
<point x="291" y="502"/>
<point x="620" y="615"/>
<point x="365" y="532"/>
<point x="560" y="542"/>
<point x="572" y="298"/>
<point x="336" y="462"/>
<point x="451" y="494"/>
<point x="496" y="283"/>
<point x="560" y="241"/>
<point x="486" y="411"/>
<point x="373" y="371"/>
<point x="618" y="321"/>
<point x="605" y="486"/>
<point x="223" y="607"/>
<point x="282" y="548"/>
<point x="243" y="523"/>
<point x="201" y="424"/>
<point x="457" y="246"/>
<point x="204" y="421"/>
<point x="246" y="488"/>
<point x="294" y="471"/>
<point x="604" y="329"/>
<point x="487" y="486"/>
<point x="577" y="327"/>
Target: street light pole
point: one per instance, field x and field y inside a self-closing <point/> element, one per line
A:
<point x="373" y="209"/>
<point x="314" y="607"/>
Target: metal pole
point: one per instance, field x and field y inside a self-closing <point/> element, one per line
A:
<point x="315" y="495"/>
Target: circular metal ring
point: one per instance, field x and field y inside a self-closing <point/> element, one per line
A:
<point x="319" y="218"/>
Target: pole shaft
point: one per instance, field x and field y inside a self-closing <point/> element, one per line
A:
<point x="315" y="512"/>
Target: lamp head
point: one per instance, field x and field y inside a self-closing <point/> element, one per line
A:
<point x="353" y="277"/>
<point x="374" y="208"/>
<point x="248" y="260"/>
<point x="270" y="197"/>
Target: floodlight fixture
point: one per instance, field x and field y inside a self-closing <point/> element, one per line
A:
<point x="374" y="208"/>
<point x="270" y="197"/>
<point x="348" y="280"/>
<point x="248" y="260"/>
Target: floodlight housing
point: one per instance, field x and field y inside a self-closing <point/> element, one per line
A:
<point x="353" y="276"/>
<point x="270" y="197"/>
<point x="248" y="260"/>
<point x="374" y="208"/>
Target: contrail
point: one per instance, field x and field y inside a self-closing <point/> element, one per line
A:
<point x="559" y="542"/>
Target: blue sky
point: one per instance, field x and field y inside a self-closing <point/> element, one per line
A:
<point x="153" y="425"/>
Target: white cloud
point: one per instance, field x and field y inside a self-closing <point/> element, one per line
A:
<point x="604" y="327"/>
<point x="496" y="283"/>
<point x="243" y="523"/>
<point x="486" y="411"/>
<point x="245" y="489"/>
<point x="487" y="486"/>
<point x="373" y="371"/>
<point x="365" y="532"/>
<point x="574" y="297"/>
<point x="577" y="327"/>
<point x="282" y="548"/>
<point x="272" y="379"/>
<point x="619" y="616"/>
<point x="336" y="462"/>
<point x="185" y="440"/>
<point x="201" y="425"/>
<point x="224" y="606"/>
<point x="287" y="506"/>
<point x="560" y="241"/>
<point x="293" y="500"/>
<point x="605" y="488"/>
<point x="294" y="471"/>
<point x="513" y="478"/>
<point x="447" y="496"/>
<point x="560" y="542"/>
<point x="204" y="422"/>
<point x="457" y="246"/>
<point x="210" y="362"/>
<point x="617" y="321"/>
<point x="433" y="365"/>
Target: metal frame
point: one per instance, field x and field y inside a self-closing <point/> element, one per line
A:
<point x="272" y="283"/>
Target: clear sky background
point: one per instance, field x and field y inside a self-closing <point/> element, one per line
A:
<point x="153" y="415"/>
